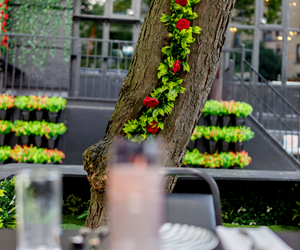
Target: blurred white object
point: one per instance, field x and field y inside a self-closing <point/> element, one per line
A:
<point x="186" y="237"/>
<point x="38" y="209"/>
<point x="261" y="238"/>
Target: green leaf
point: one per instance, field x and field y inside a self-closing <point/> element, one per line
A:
<point x="161" y="125"/>
<point x="165" y="18"/>
<point x="196" y="29"/>
<point x="186" y="66"/>
<point x="162" y="70"/>
<point x="155" y="113"/>
<point x="165" y="79"/>
<point x="161" y="111"/>
<point x="193" y="16"/>
<point x="177" y="7"/>
<point x="167" y="50"/>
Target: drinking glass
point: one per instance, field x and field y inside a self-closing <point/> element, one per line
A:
<point x="38" y="194"/>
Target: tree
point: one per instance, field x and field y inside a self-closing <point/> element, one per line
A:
<point x="213" y="18"/>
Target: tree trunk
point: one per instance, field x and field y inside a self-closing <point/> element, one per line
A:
<point x="214" y="16"/>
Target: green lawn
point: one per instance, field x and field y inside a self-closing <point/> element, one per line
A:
<point x="72" y="223"/>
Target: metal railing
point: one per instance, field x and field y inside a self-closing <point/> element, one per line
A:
<point x="276" y="114"/>
<point x="79" y="68"/>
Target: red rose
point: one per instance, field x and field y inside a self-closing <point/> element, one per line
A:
<point x="5" y="16"/>
<point x="152" y="128"/>
<point x="4" y="44"/>
<point x="6" y="7"/>
<point x="181" y="2"/>
<point x="150" y="102"/>
<point x="176" y="66"/>
<point x="0" y="4"/>
<point x="2" y="12"/>
<point x="183" y="24"/>
<point x="6" y="1"/>
<point x="4" y="30"/>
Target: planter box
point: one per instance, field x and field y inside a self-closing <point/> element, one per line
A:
<point x="212" y="120"/>
<point x="3" y="114"/>
<point x="239" y="146"/>
<point x="24" y="139"/>
<point x="211" y="146"/>
<point x="2" y="140"/>
<point x="225" y="120"/>
<point x="39" y="115"/>
<point x="25" y="115"/>
<point x="239" y="121"/>
<point x="51" y="142"/>
<point x="38" y="141"/>
<point x="52" y="116"/>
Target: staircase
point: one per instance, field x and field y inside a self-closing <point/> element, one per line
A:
<point x="275" y="117"/>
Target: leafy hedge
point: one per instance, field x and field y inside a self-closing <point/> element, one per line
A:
<point x="239" y="109"/>
<point x="216" y="160"/>
<point x="260" y="203"/>
<point x="228" y="134"/>
<point x="7" y="204"/>
<point x="36" y="155"/>
<point x="52" y="104"/>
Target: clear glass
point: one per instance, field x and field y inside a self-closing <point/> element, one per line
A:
<point x="272" y="11"/>
<point x="294" y="13"/>
<point x="120" y="31"/>
<point x="120" y="7"/>
<point x="243" y="12"/>
<point x="294" y="57"/>
<point x="38" y="194"/>
<point x="93" y="7"/>
<point x="270" y="55"/>
<point x="135" y="197"/>
<point x="144" y="8"/>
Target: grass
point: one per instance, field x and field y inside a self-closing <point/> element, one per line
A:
<point x="277" y="228"/>
<point x="71" y="222"/>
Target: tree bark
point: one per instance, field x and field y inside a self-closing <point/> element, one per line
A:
<point x="213" y="18"/>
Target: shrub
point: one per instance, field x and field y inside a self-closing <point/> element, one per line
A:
<point x="212" y="107"/>
<point x="22" y="102"/>
<point x="227" y="159"/>
<point x="7" y="101"/>
<point x="55" y="104"/>
<point x="37" y="102"/>
<point x="5" y="127"/>
<point x="7" y="204"/>
<point x="74" y="205"/>
<point x="4" y="153"/>
<point x="21" y="128"/>
<point x="243" y="110"/>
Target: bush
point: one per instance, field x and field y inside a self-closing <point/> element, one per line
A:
<point x="6" y="101"/>
<point x="55" y="104"/>
<point x="259" y="203"/>
<point x="74" y="205"/>
<point x="5" y="127"/>
<point x="7" y="204"/>
<point x="4" y="153"/>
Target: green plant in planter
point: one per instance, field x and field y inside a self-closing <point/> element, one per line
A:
<point x="22" y="102"/>
<point x="243" y="159"/>
<point x="242" y="134"/>
<point x="243" y="110"/>
<point x="7" y="204"/>
<point x="5" y="127"/>
<point x="55" y="104"/>
<point x="211" y="160"/>
<point x="229" y="107"/>
<point x="7" y="101"/>
<point x="198" y="132"/>
<point x="212" y="107"/>
<point x="35" y="128"/>
<point x="227" y="159"/>
<point x="4" y="152"/>
<point x="212" y="133"/>
<point x="21" y="128"/>
<point x="56" y="129"/>
<point x="37" y="102"/>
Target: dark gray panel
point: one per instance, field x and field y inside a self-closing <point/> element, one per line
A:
<point x="86" y="126"/>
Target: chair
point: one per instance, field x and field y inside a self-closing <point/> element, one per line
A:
<point x="202" y="210"/>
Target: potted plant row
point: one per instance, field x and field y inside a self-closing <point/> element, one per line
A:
<point x="27" y="104"/>
<point x="226" y="113"/>
<point x="38" y="129"/>
<point x="36" y="155"/>
<point x="224" y="160"/>
<point x="226" y="136"/>
<point x="4" y="153"/>
<point x="5" y="128"/>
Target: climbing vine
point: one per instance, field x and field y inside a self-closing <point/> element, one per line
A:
<point x="161" y="100"/>
<point x="43" y="18"/>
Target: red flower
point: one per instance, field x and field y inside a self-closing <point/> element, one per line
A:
<point x="183" y="24"/>
<point x="6" y="7"/>
<point x="152" y="128"/>
<point x="6" y="1"/>
<point x="5" y="16"/>
<point x="4" y="44"/>
<point x="181" y="2"/>
<point x="150" y="102"/>
<point x="176" y="66"/>
<point x="0" y="4"/>
<point x="3" y="24"/>
<point x="4" y="30"/>
<point x="5" y="37"/>
<point x="2" y="12"/>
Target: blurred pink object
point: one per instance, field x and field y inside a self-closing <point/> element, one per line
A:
<point x="135" y="197"/>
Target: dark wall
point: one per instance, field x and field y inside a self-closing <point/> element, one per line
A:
<point x="86" y="122"/>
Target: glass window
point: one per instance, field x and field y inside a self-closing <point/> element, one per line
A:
<point x="90" y="29"/>
<point x="293" y="56"/>
<point x="144" y="8"/>
<point x="294" y="13"/>
<point x="92" y="7"/>
<point x="119" y="31"/>
<point x="243" y="12"/>
<point x="122" y="7"/>
<point x="272" y="11"/>
<point x="270" y="54"/>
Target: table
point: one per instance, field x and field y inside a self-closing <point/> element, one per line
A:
<point x="8" y="239"/>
